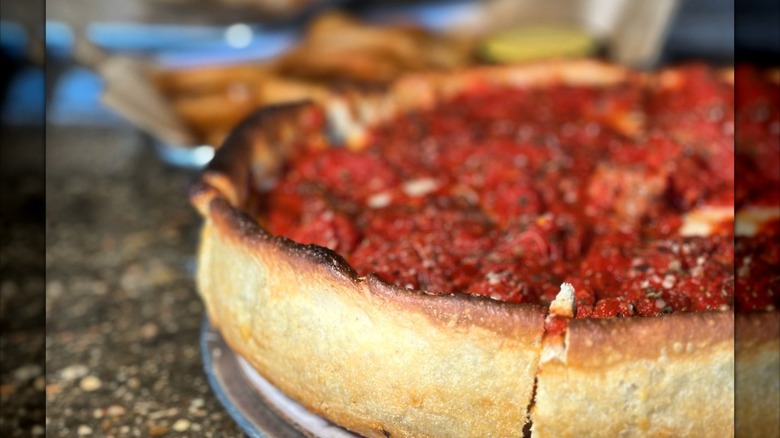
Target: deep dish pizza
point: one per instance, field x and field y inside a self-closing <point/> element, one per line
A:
<point x="475" y="253"/>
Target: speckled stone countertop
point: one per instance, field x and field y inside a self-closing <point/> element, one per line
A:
<point x="22" y="275"/>
<point x="122" y="313"/>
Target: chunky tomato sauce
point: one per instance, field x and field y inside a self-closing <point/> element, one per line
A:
<point x="508" y="192"/>
<point x="757" y="256"/>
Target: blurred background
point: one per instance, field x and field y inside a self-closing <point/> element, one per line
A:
<point x="286" y="49"/>
<point x="125" y="99"/>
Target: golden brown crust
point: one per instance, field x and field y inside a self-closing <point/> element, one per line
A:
<point x="757" y="374"/>
<point x="379" y="359"/>
<point x="598" y="343"/>
<point x="640" y="377"/>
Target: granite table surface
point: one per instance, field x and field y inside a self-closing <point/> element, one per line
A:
<point x="22" y="275"/>
<point x="122" y="312"/>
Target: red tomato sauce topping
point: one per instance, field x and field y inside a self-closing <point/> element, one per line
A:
<point x="508" y="192"/>
<point x="757" y="256"/>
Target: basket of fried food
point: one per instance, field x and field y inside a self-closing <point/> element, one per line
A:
<point x="336" y="48"/>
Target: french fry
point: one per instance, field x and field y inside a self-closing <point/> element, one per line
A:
<point x="210" y="111"/>
<point x="208" y="79"/>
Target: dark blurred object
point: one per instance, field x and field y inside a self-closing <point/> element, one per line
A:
<point x="22" y="99"/>
<point x="29" y="16"/>
<point x="702" y="30"/>
<point x="22" y="209"/>
<point x="757" y="37"/>
<point x="725" y="31"/>
<point x="11" y="64"/>
<point x="22" y="56"/>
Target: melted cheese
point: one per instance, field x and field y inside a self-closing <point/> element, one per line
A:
<point x="747" y="222"/>
<point x="564" y="303"/>
<point x="750" y="220"/>
<point x="703" y="221"/>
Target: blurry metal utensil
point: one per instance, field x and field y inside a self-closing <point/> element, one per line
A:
<point x="129" y="91"/>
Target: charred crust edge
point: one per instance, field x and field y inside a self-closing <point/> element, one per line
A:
<point x="457" y="309"/>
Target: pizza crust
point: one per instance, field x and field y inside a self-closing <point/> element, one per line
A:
<point x="376" y="359"/>
<point x="386" y="361"/>
<point x="640" y="377"/>
<point x="757" y="374"/>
